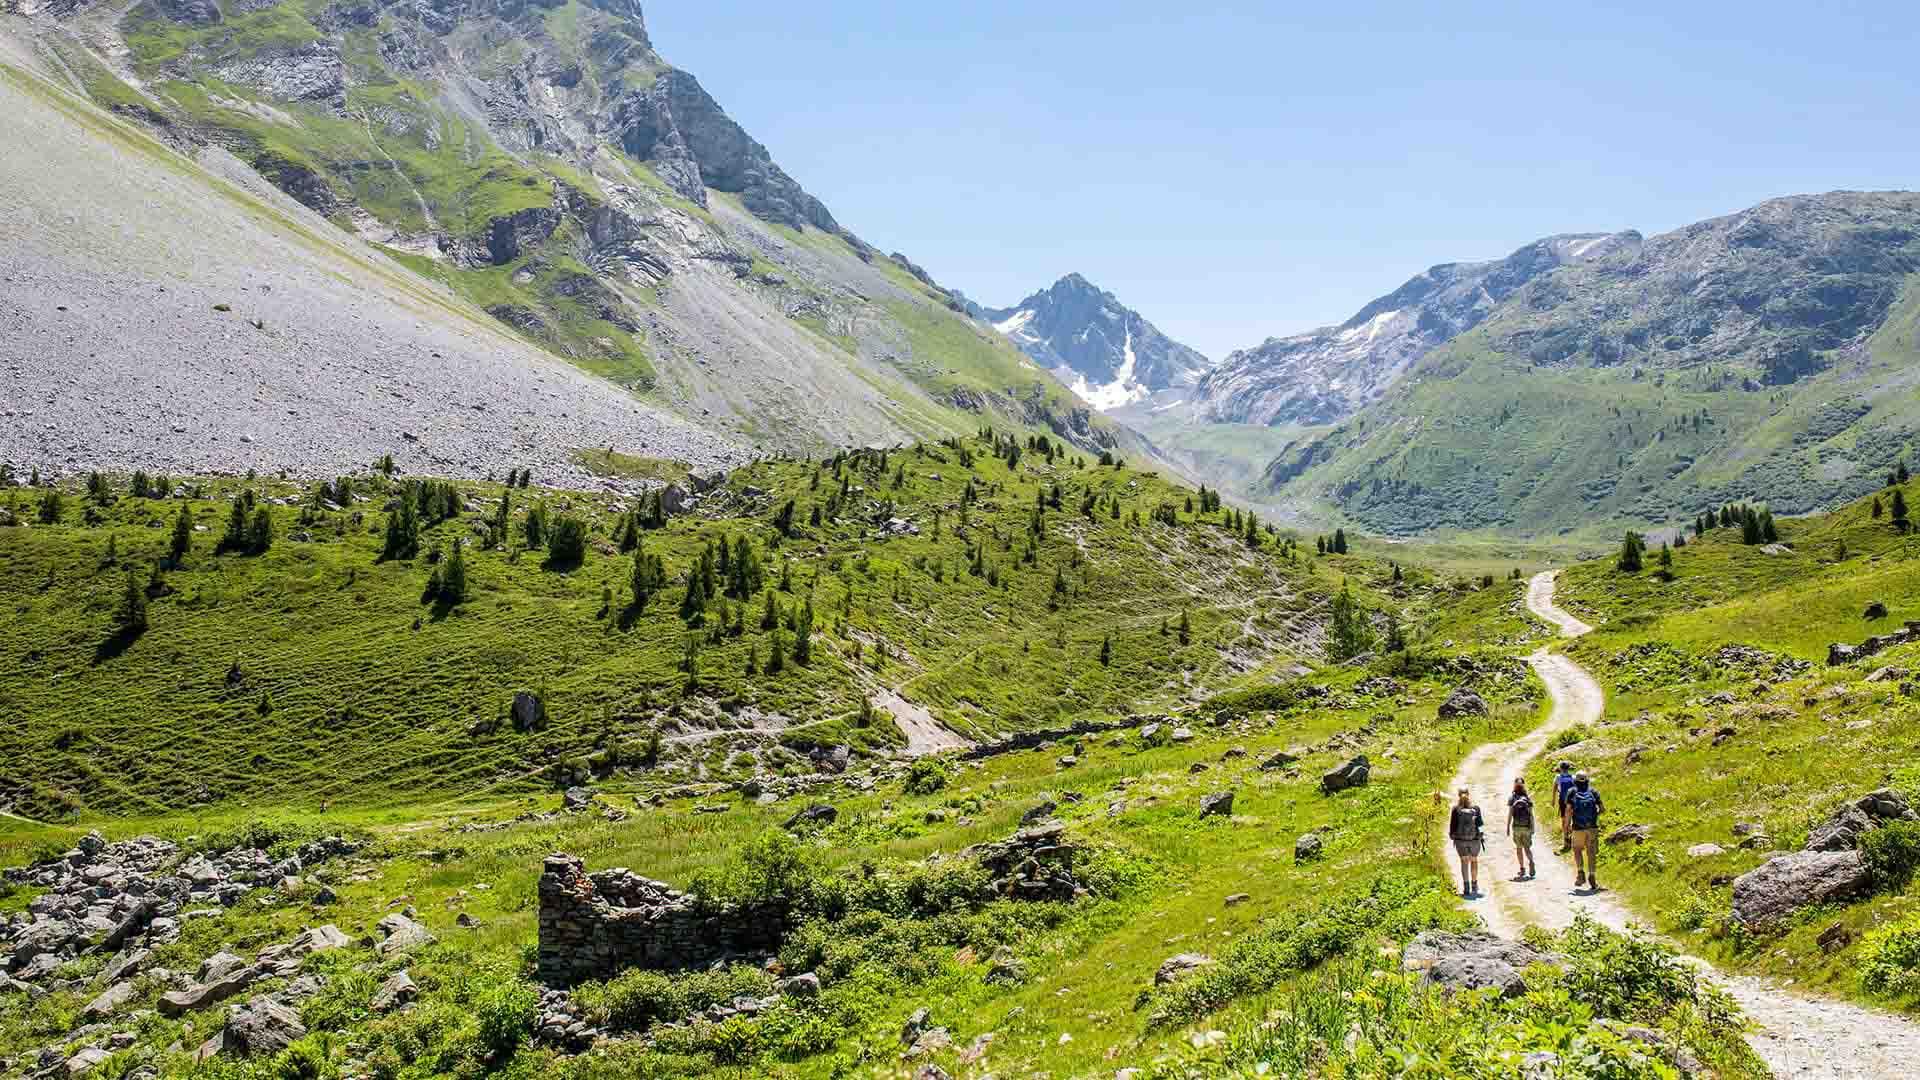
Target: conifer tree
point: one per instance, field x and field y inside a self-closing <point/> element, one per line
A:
<point x="235" y="538"/>
<point x="693" y="605"/>
<point x="1339" y="541"/>
<point x="52" y="505"/>
<point x="1875" y="509"/>
<point x="132" y="616"/>
<point x="803" y="636"/>
<point x="1348" y="633"/>
<point x="770" y="618"/>
<point x="260" y="532"/>
<point x="453" y="582"/>
<point x="1106" y="651"/>
<point x="1631" y="550"/>
<point x="182" y="537"/>
<point x="1750" y="532"/>
<point x="776" y="654"/>
<point x="1186" y="628"/>
<point x="1900" y="510"/>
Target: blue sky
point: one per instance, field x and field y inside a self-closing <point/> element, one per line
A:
<point x="1236" y="171"/>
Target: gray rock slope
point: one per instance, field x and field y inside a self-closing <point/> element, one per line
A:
<point x="114" y="352"/>
<point x="1111" y="355"/>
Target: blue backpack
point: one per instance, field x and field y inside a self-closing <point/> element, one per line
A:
<point x="1586" y="808"/>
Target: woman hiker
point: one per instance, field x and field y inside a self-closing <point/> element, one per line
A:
<point x="1468" y="832"/>
<point x="1520" y="828"/>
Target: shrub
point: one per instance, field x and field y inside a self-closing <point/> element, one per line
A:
<point x="925" y="776"/>
<point x="504" y="1013"/>
<point x="1578" y="733"/>
<point x="1893" y="852"/>
<point x="1892" y="959"/>
<point x="636" y="1000"/>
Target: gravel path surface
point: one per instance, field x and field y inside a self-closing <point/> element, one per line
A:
<point x="1797" y="1036"/>
<point x="114" y="353"/>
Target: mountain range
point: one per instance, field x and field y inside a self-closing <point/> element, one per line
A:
<point x="485" y="234"/>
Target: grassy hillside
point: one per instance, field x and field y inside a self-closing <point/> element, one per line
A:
<point x="336" y="652"/>
<point x="1053" y="988"/>
<point x="1769" y="736"/>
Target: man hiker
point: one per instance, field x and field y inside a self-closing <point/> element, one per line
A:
<point x="1562" y="787"/>
<point x="1520" y="827"/>
<point x="1583" y="812"/>
<point x="1469" y="837"/>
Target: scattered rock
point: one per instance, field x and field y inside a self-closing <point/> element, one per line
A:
<point x="806" y="985"/>
<point x="401" y="934"/>
<point x="1307" y="847"/>
<point x="398" y="990"/>
<point x="1705" y="851"/>
<point x="1834" y="938"/>
<point x="1353" y="774"/>
<point x="1625" y="833"/>
<point x="1238" y="898"/>
<point x="819" y="814"/>
<point x="1463" y="702"/>
<point x="110" y="999"/>
<point x="1279" y="759"/>
<point x="1181" y="734"/>
<point x="1218" y="803"/>
<point x="1177" y="967"/>
<point x="1875" y="610"/>
<point x="1040" y="812"/>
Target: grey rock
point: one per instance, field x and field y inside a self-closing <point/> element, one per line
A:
<point x="262" y="1026"/>
<point x="398" y="990"/>
<point x="1307" y="847"/>
<point x="817" y="814"/>
<point x="1179" y="966"/>
<point x="401" y="934"/>
<point x="1354" y="773"/>
<point x="109" y="1000"/>
<point x="804" y="985"/>
<point x="1218" y="803"/>
<point x="1787" y="883"/>
<point x="1630" y="834"/>
<point x="1463" y="702"/>
<point x="1472" y="961"/>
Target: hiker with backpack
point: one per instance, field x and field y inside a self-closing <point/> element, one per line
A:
<point x="1468" y="831"/>
<point x="1520" y="828"/>
<point x="1583" y="813"/>
<point x="1562" y="787"/>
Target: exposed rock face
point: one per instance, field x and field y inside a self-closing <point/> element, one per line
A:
<point x="1787" y="883"/>
<point x="1472" y="961"/>
<point x="1105" y="351"/>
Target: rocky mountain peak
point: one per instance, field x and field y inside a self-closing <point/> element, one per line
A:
<point x="1107" y="352"/>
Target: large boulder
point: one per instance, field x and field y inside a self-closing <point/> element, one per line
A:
<point x="1351" y="775"/>
<point x="1472" y="961"/>
<point x="1787" y="883"/>
<point x="398" y="990"/>
<point x="264" y="1025"/>
<point x="1463" y="702"/>
<point x="1307" y="847"/>
<point x="401" y="934"/>
<point x="529" y="712"/>
<point x="202" y="995"/>
<point x="1218" y="803"/>
<point x="1841" y="832"/>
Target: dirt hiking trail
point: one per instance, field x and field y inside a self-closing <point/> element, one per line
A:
<point x="1799" y="1037"/>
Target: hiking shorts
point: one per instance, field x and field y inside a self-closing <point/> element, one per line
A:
<point x="1468" y="848"/>
<point x="1583" y="840"/>
<point x="1523" y="837"/>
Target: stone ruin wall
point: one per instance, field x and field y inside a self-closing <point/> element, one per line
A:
<point x="593" y="926"/>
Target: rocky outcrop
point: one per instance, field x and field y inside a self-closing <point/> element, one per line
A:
<point x="1034" y="864"/>
<point x="1839" y="653"/>
<point x="1787" y="883"/>
<point x="1462" y="702"/>
<point x="1472" y="961"/>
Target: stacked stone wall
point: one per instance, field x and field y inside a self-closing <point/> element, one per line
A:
<point x="593" y="926"/>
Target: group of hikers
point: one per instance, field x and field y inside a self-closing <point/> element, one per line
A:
<point x="1579" y="807"/>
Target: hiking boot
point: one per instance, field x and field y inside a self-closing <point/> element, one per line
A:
<point x="1594" y="884"/>
<point x="1580" y="881"/>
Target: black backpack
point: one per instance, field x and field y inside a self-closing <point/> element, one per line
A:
<point x="1523" y="811"/>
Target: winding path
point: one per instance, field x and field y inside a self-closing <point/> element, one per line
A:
<point x="1799" y="1037"/>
